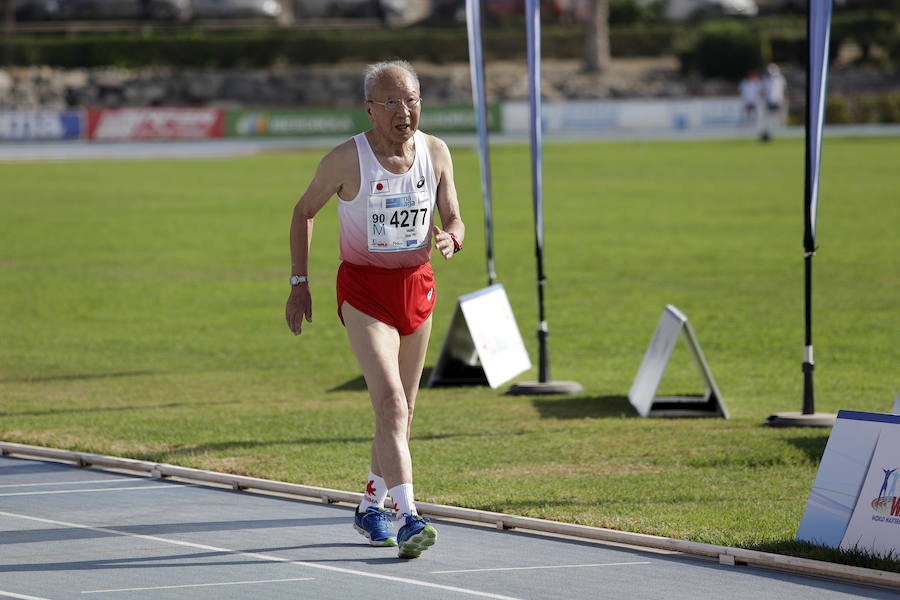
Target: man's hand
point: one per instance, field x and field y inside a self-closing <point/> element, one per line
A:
<point x="299" y="305"/>
<point x="443" y="242"/>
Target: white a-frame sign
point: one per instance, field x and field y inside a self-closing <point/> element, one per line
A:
<point x="483" y="343"/>
<point x="672" y="324"/>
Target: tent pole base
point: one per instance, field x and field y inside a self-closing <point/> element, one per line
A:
<point x="543" y="388"/>
<point x="797" y="419"/>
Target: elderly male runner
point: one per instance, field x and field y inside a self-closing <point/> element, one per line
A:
<point x="388" y="181"/>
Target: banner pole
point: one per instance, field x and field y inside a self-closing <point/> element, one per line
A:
<point x="544" y="385"/>
<point x="474" y="21"/>
<point x="818" y="28"/>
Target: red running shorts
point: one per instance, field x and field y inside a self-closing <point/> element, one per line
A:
<point x="402" y="298"/>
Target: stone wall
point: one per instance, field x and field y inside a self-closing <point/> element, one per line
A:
<point x="341" y="85"/>
<point x="327" y="85"/>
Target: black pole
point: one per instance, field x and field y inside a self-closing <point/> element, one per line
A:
<point x="808" y="365"/>
<point x="808" y="240"/>
<point x="543" y="332"/>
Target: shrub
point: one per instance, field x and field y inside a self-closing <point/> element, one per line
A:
<point x="837" y="110"/>
<point x="264" y="48"/>
<point x="725" y="49"/>
<point x="878" y="108"/>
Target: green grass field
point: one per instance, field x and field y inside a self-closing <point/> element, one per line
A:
<point x="141" y="315"/>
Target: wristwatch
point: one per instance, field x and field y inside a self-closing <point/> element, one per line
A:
<point x="298" y="279"/>
<point x="457" y="245"/>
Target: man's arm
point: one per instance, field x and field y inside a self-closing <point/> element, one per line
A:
<point x="330" y="179"/>
<point x="447" y="201"/>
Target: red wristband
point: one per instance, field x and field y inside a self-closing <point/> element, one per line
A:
<point x="457" y="245"/>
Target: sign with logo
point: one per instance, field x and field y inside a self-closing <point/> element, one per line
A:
<point x="875" y="523"/>
<point x="295" y="123"/>
<point x="345" y="121"/>
<point x="155" y="124"/>
<point x="40" y="125"/>
<point x="855" y="498"/>
<point x="629" y="116"/>
<point x="483" y="343"/>
<point x="460" y="119"/>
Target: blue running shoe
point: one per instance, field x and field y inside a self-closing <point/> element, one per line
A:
<point x="415" y="537"/>
<point x="374" y="525"/>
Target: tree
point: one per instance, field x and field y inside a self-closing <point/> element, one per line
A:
<point x="597" y="51"/>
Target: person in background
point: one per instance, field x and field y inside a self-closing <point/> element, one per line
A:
<point x="774" y="88"/>
<point x="750" y="96"/>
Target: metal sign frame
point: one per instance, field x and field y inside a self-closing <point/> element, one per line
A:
<point x="672" y="325"/>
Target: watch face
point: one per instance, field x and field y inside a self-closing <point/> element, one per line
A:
<point x="297" y="279"/>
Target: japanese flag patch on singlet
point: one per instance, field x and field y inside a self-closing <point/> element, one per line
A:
<point x="398" y="222"/>
<point x="381" y="187"/>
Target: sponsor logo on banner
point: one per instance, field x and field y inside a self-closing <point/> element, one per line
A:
<point x="873" y="524"/>
<point x="155" y="124"/>
<point x="39" y="125"/>
<point x="252" y="124"/>
<point x="888" y="504"/>
<point x="292" y="122"/>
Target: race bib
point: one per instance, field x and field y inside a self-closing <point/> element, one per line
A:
<point x="399" y="222"/>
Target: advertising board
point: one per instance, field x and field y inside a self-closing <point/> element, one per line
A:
<point x="155" y="123"/>
<point x="40" y="125"/>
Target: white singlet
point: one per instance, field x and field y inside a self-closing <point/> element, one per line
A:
<point x="388" y="224"/>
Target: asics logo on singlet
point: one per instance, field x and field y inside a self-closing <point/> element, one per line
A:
<point x="420" y="183"/>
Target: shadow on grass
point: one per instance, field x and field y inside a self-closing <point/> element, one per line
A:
<point x="358" y="384"/>
<point x="245" y="445"/>
<point x="813" y="447"/>
<point x="78" y="377"/>
<point x="233" y="445"/>
<point x="561" y="407"/>
<point x="100" y="409"/>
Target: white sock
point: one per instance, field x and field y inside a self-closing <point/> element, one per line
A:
<point x="376" y="492"/>
<point x="402" y="496"/>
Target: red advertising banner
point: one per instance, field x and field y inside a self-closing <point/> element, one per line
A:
<point x="156" y="123"/>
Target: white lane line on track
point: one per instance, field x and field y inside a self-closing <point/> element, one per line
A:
<point x="618" y="564"/>
<point x="267" y="557"/>
<point x="109" y="489"/>
<point x="196" y="585"/>
<point x="80" y="482"/>
<point x="5" y="594"/>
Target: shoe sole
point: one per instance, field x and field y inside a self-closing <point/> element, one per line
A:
<point x="389" y="542"/>
<point x="419" y="543"/>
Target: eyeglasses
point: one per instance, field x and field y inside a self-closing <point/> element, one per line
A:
<point x="393" y="105"/>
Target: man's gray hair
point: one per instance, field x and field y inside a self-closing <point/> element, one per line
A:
<point x="374" y="73"/>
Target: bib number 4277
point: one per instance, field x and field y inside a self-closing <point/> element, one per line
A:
<point x="398" y="221"/>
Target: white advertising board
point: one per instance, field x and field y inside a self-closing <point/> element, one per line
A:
<point x="875" y="523"/>
<point x="672" y="325"/>
<point x="634" y="116"/>
<point x="483" y="331"/>
<point x="855" y="498"/>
